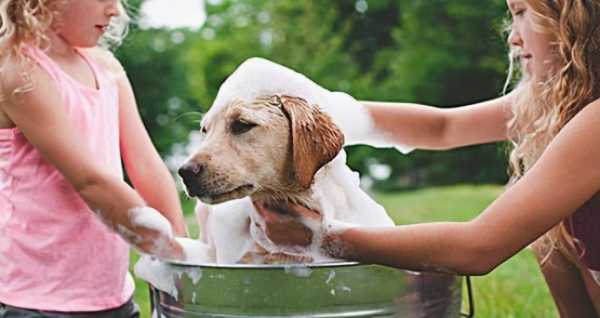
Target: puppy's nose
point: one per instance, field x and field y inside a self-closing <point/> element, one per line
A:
<point x="190" y="170"/>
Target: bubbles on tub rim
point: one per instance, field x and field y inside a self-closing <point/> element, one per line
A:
<point x="298" y="270"/>
<point x="195" y="274"/>
<point x="340" y="288"/>
<point x="330" y="277"/>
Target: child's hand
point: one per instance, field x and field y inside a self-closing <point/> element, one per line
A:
<point x="181" y="231"/>
<point x="285" y="223"/>
<point x="154" y="243"/>
<point x="357" y="123"/>
<point x="350" y="115"/>
<point x="152" y="234"/>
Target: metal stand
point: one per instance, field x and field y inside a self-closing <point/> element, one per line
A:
<point x="471" y="312"/>
<point x="154" y="302"/>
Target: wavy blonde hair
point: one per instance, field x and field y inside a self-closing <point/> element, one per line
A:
<point x="27" y="21"/>
<point x="543" y="106"/>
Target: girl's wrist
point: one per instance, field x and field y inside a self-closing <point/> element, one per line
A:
<point x="336" y="245"/>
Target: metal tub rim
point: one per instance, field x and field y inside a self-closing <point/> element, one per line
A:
<point x="267" y="266"/>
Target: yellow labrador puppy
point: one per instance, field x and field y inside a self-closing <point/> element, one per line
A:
<point x="268" y="151"/>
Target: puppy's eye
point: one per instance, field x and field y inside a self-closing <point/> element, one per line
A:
<point x="239" y="127"/>
<point x="203" y="130"/>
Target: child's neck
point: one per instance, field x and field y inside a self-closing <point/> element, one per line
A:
<point x="59" y="48"/>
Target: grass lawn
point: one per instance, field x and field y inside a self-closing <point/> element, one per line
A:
<point x="514" y="289"/>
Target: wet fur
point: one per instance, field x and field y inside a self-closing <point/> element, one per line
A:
<point x="279" y="157"/>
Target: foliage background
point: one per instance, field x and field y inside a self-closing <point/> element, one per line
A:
<point x="436" y="52"/>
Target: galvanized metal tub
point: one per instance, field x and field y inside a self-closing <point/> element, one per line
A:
<point x="346" y="289"/>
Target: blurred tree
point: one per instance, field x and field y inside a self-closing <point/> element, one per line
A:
<point x="303" y="35"/>
<point x="152" y="59"/>
<point x="447" y="53"/>
<point x="437" y="52"/>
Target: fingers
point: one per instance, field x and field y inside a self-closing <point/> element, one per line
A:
<point x="152" y="233"/>
<point x="282" y="258"/>
<point x="284" y="223"/>
<point x="155" y="243"/>
<point x="176" y="251"/>
<point x="182" y="231"/>
<point x="163" y="249"/>
<point x="289" y="232"/>
<point x="307" y="213"/>
<point x="274" y="211"/>
<point x="268" y="213"/>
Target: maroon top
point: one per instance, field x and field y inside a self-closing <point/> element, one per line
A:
<point x="584" y="225"/>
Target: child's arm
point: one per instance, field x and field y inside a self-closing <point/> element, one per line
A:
<point x="427" y="127"/>
<point x="145" y="168"/>
<point x="40" y="115"/>
<point x="564" y="178"/>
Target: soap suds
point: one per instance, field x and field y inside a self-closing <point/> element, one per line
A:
<point x="149" y="218"/>
<point x="330" y="277"/>
<point x="164" y="276"/>
<point x="298" y="270"/>
<point x="256" y="77"/>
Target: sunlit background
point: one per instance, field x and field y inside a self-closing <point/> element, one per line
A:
<point x="172" y="14"/>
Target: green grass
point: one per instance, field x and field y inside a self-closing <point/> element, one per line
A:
<point x="515" y="289"/>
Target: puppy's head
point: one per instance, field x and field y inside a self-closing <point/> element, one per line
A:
<point x="272" y="145"/>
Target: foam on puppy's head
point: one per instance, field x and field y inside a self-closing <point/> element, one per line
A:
<point x="260" y="77"/>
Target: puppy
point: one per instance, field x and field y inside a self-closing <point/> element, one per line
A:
<point x="270" y="150"/>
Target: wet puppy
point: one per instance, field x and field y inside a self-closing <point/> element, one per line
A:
<point x="268" y="149"/>
<point x="272" y="167"/>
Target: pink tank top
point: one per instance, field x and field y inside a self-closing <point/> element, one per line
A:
<point x="54" y="253"/>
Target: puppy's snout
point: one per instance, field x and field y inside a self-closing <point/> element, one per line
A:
<point x="191" y="172"/>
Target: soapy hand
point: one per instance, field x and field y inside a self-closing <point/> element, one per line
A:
<point x="350" y="115"/>
<point x="334" y="246"/>
<point x="357" y="123"/>
<point x="152" y="234"/>
<point x="155" y="243"/>
<point x="284" y="222"/>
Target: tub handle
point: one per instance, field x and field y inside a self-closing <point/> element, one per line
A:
<point x="471" y="312"/>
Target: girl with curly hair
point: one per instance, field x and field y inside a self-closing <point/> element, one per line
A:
<point x="552" y="204"/>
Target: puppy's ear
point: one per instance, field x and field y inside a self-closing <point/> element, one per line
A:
<point x="315" y="139"/>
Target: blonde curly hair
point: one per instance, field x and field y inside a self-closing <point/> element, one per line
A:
<point x="543" y="106"/>
<point x="27" y="21"/>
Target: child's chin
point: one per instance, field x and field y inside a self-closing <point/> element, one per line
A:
<point x="86" y="43"/>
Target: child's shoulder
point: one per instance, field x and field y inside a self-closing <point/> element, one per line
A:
<point x="106" y="60"/>
<point x="587" y="118"/>
<point x="18" y="73"/>
<point x="595" y="103"/>
<point x="592" y="109"/>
